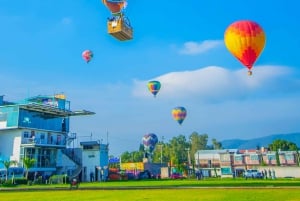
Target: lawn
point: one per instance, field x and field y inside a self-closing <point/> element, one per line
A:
<point x="206" y="194"/>
<point x="166" y="190"/>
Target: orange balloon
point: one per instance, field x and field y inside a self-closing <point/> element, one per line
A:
<point x="245" y="40"/>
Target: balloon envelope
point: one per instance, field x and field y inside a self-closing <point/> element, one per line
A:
<point x="179" y="114"/>
<point x="154" y="87"/>
<point x="115" y="6"/>
<point x="87" y="55"/>
<point x="149" y="142"/>
<point x="245" y="40"/>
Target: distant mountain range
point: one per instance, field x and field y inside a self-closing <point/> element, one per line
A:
<point x="261" y="142"/>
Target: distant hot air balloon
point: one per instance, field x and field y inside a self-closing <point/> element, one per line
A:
<point x="154" y="87"/>
<point x="149" y="142"/>
<point x="179" y="114"/>
<point x="87" y="55"/>
<point x="246" y="40"/>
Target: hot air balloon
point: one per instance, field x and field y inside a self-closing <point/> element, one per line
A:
<point x="179" y="114"/>
<point x="115" y="6"/>
<point x="118" y="25"/>
<point x="87" y="55"/>
<point x="149" y="142"/>
<point x="245" y="40"/>
<point x="154" y="87"/>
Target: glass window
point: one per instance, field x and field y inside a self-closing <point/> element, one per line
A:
<point x="38" y="120"/>
<point x="289" y="157"/>
<point x="271" y="157"/>
<point x="87" y="147"/>
<point x="238" y="158"/>
<point x="26" y="134"/>
<point x="254" y="157"/>
<point x="226" y="171"/>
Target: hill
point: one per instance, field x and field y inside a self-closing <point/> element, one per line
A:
<point x="261" y="142"/>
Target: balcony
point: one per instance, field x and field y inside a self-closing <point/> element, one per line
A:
<point x="43" y="142"/>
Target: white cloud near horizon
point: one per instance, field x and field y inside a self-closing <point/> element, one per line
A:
<point x="214" y="82"/>
<point x="194" y="48"/>
<point x="217" y="100"/>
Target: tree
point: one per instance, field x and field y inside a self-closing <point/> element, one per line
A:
<point x="178" y="153"/>
<point x="28" y="163"/>
<point x="282" y="145"/>
<point x="216" y="144"/>
<point x="198" y="142"/>
<point x="7" y="164"/>
<point x="134" y="156"/>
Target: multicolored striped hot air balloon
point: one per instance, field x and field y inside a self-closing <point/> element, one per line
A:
<point x="154" y="87"/>
<point x="87" y="55"/>
<point x="179" y="114"/>
<point x="149" y="142"/>
<point x="246" y="40"/>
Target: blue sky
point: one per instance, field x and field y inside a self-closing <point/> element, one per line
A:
<point x="179" y="43"/>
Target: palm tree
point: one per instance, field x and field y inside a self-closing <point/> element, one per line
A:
<point x="7" y="164"/>
<point x="28" y="163"/>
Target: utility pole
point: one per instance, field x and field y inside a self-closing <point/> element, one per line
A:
<point x="189" y="160"/>
<point x="161" y="149"/>
<point x="189" y="157"/>
<point x="161" y="154"/>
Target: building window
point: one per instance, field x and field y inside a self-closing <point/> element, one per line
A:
<point x="289" y="157"/>
<point x="225" y="157"/>
<point x="254" y="157"/>
<point x="271" y="157"/>
<point x="238" y="158"/>
<point x="87" y="147"/>
<point x="226" y="171"/>
<point x="26" y="134"/>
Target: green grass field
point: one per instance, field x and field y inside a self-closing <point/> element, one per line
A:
<point x="165" y="190"/>
<point x="150" y="194"/>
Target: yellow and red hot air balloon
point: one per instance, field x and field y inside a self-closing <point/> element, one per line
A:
<point x="87" y="55"/>
<point x="154" y="87"/>
<point x="118" y="25"/>
<point x="115" y="6"/>
<point x="245" y="40"/>
<point x="179" y="114"/>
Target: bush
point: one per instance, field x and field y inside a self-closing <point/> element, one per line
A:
<point x="8" y="183"/>
<point x="58" y="179"/>
<point x="21" y="181"/>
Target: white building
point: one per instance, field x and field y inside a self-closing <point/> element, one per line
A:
<point x="94" y="161"/>
<point x="38" y="128"/>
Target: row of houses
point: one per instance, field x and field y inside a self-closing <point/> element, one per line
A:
<point x="233" y="162"/>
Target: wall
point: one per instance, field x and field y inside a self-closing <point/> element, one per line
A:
<point x="281" y="172"/>
<point x="64" y="161"/>
<point x="7" y="146"/>
<point x="90" y="160"/>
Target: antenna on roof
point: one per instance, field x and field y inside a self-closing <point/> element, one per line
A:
<point x="106" y="137"/>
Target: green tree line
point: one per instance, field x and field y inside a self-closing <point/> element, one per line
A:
<point x="180" y="149"/>
<point x="175" y="151"/>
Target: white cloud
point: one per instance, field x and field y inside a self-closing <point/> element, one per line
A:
<point x="213" y="83"/>
<point x="193" y="48"/>
<point x="222" y="103"/>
